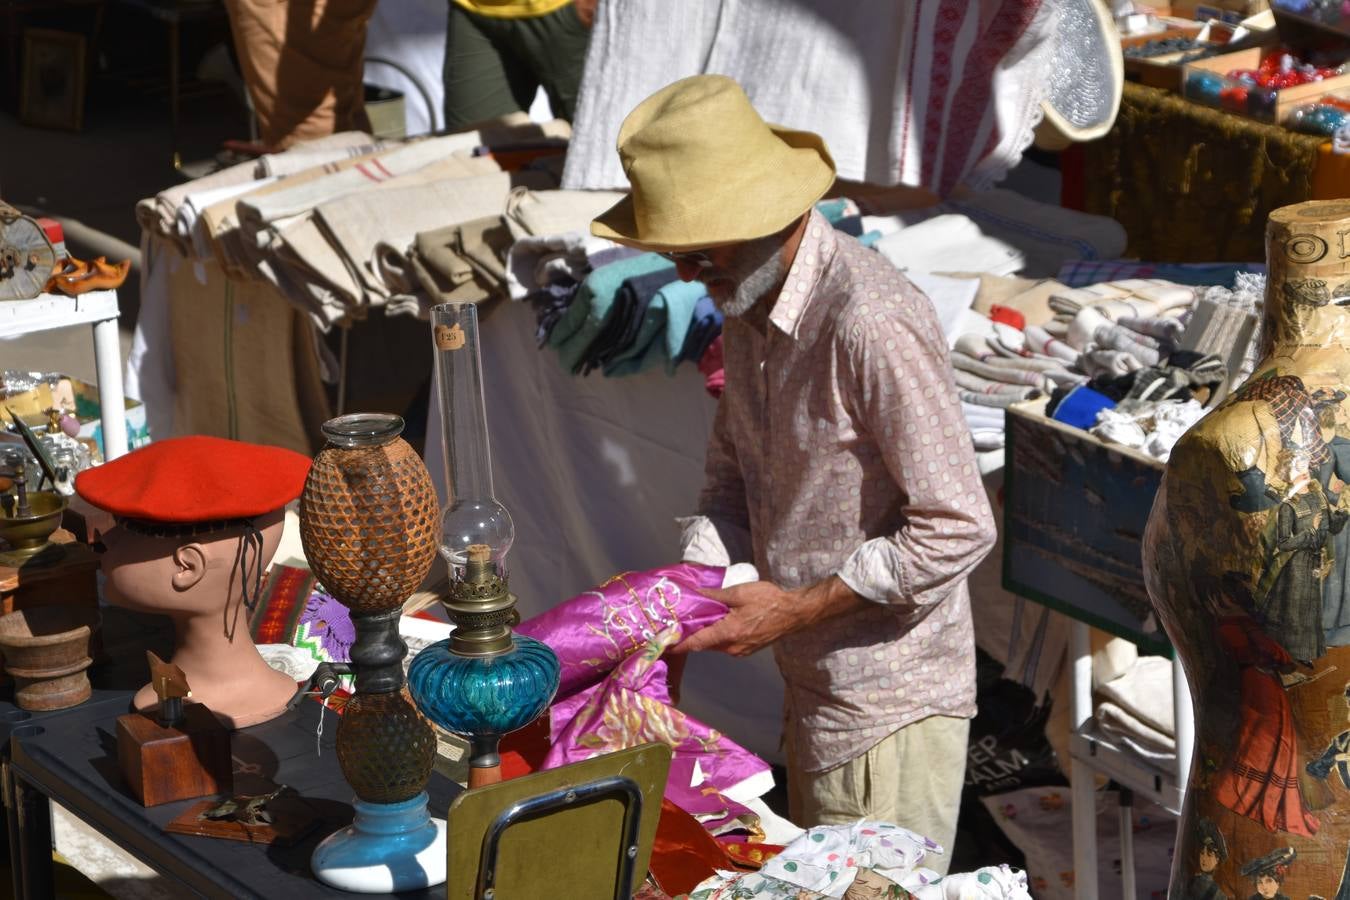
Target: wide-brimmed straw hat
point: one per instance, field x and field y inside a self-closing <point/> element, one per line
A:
<point x="706" y="170"/>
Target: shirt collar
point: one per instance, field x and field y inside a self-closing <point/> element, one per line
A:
<point x="808" y="266"/>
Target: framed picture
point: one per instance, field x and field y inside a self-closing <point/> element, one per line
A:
<point x="52" y="94"/>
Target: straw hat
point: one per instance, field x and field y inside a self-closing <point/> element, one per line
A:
<point x="706" y="170"/>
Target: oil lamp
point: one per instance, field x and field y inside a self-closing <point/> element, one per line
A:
<point x="485" y="680"/>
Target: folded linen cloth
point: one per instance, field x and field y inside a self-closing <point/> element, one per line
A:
<point x="1046" y="235"/>
<point x="995" y="372"/>
<point x="971" y="382"/>
<point x="549" y="212"/>
<point x="951" y="243"/>
<point x="1129" y="297"/>
<point x="1001" y="401"/>
<point x="394" y="215"/>
<point x="594" y="303"/>
<point x="983" y="416"/>
<point x="307" y="156"/>
<point x="704" y="327"/>
<point x="1097" y="363"/>
<point x="298" y="198"/>
<point x="664" y="331"/>
<point x="625" y="320"/>
<point x="1145" y="691"/>
<point x="1039" y="341"/>
<point x="188" y="224"/>
<point x="1166" y="329"/>
<point x="461" y="263"/>
<point x="537" y="260"/>
<point x="1113" y="719"/>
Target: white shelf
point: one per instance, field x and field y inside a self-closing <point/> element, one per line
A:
<point x="50" y="311"/>
<point x="98" y="309"/>
<point x="1126" y="768"/>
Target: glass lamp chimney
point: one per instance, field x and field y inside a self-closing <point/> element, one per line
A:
<point x="473" y="517"/>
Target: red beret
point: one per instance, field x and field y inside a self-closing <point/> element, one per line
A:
<point x="196" y="479"/>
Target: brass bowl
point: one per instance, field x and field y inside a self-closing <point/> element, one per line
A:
<point x="30" y="535"/>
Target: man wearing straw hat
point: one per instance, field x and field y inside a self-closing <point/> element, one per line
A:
<point x="839" y="463"/>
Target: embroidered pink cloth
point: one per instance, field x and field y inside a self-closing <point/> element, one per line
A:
<point x="595" y="631"/>
<point x="614" y="691"/>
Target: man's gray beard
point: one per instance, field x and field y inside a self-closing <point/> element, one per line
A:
<point x="756" y="270"/>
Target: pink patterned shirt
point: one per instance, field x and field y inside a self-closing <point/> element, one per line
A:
<point x="839" y="448"/>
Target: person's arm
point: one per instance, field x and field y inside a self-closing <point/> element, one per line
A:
<point x="900" y="386"/>
<point x="720" y="534"/>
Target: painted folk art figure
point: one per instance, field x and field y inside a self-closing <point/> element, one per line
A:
<point x="1213" y="850"/>
<point x="1247" y="559"/>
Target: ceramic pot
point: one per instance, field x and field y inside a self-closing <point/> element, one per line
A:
<point x="46" y="651"/>
<point x="1247" y="558"/>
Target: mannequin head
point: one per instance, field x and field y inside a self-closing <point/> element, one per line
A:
<point x="188" y="572"/>
<point x="199" y="519"/>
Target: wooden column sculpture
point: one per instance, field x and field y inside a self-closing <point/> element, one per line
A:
<point x="1247" y="557"/>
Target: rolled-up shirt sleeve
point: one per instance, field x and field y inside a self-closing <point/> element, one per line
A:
<point x="900" y="387"/>
<point x="720" y="534"/>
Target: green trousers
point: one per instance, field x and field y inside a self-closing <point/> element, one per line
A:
<point x="494" y="66"/>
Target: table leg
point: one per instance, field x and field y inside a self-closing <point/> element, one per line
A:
<point x="112" y="402"/>
<point x="1081" y="778"/>
<point x="173" y="91"/>
<point x="12" y="828"/>
<point x="1126" y="812"/>
<point x="35" y="842"/>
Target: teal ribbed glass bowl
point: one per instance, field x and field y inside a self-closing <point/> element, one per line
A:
<point x="491" y="695"/>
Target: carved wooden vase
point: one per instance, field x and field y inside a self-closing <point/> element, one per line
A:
<point x="1247" y="559"/>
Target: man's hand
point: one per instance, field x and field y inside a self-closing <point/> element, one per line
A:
<point x="586" y="11"/>
<point x="761" y="613"/>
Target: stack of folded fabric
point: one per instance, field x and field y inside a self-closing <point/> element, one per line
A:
<point x="1136" y="711"/>
<point x="347" y="223"/>
<point x="608" y="308"/>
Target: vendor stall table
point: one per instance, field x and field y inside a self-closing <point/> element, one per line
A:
<point x="96" y="308"/>
<point x="70" y="758"/>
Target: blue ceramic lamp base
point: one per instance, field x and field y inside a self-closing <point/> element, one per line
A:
<point x="388" y="847"/>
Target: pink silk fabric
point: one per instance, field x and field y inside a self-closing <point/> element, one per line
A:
<point x="614" y="692"/>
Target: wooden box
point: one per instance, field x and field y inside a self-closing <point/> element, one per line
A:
<point x="1261" y="103"/>
<point x="1075" y="509"/>
<point x="161" y="765"/>
<point x="1230" y="11"/>
<point x="1163" y="72"/>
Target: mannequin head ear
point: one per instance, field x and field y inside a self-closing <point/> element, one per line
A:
<point x="190" y="560"/>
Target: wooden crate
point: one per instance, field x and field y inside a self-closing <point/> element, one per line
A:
<point x="1074" y="515"/>
<point x="1163" y="72"/>
<point x="1286" y="101"/>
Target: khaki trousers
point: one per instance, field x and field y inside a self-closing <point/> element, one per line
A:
<point x="912" y="778"/>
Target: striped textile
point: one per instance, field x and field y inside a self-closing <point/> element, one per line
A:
<point x="929" y="93"/>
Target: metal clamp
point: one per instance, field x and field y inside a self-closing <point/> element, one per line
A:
<point x="625" y="789"/>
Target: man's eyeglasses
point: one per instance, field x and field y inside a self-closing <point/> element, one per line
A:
<point x="696" y="258"/>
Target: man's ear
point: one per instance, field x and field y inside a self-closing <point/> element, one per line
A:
<point x="191" y="562"/>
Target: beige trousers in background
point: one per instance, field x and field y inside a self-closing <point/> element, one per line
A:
<point x="302" y="61"/>
<point x="912" y="778"/>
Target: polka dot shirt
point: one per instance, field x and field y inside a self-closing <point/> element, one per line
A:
<point x="839" y="448"/>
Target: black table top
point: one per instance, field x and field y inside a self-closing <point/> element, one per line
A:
<point x="71" y="756"/>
